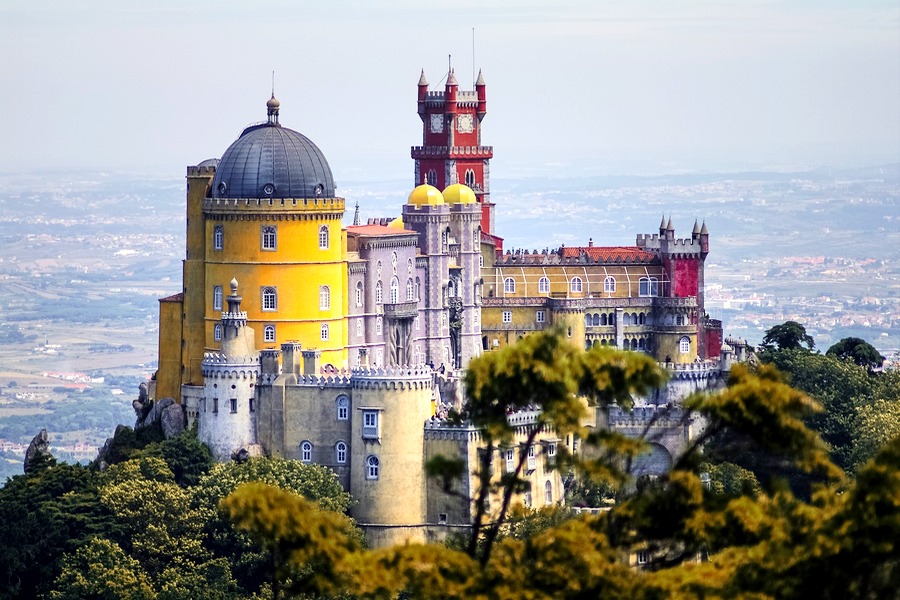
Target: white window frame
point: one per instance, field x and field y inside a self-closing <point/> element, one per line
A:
<point x="218" y="237"/>
<point x="373" y="468"/>
<point x="324" y="237"/>
<point x="506" y="316"/>
<point x="268" y="238"/>
<point x="359" y="327"/>
<point x="410" y="290"/>
<point x="217" y="297"/>
<point x="232" y="405"/>
<point x="531" y="459"/>
<point x="540" y="316"/>
<point x="379" y="293"/>
<point x="548" y="492"/>
<point x="217" y="332"/>
<point x="609" y="284"/>
<point x="371" y="424"/>
<point x="648" y="287"/>
<point x="269" y="334"/>
<point x="684" y="345"/>
<point x="509" y="285"/>
<point x="395" y="290"/>
<point x="359" y="293"/>
<point x="269" y="298"/>
<point x="324" y="332"/>
<point x="306" y="450"/>
<point x="510" y="457"/>
<point x="340" y="453"/>
<point x="324" y="297"/>
<point x="343" y="408"/>
<point x="576" y="285"/>
<point x="544" y="285"/>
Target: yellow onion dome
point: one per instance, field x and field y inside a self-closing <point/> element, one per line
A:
<point x="396" y="223"/>
<point x="459" y="194"/>
<point x="425" y="194"/>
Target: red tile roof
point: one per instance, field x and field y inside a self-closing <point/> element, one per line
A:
<point x="608" y="253"/>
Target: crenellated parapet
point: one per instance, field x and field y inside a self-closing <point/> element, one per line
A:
<point x="279" y="208"/>
<point x="693" y="371"/>
<point x="416" y="378"/>
<point x="201" y="171"/>
<point x="646" y="417"/>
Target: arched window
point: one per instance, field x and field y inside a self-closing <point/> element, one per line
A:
<point x="324" y="297"/>
<point x="641" y="319"/>
<point x="410" y="290"/>
<point x="418" y="289"/>
<point x="306" y="452"/>
<point x="359" y="328"/>
<point x="481" y="261"/>
<point x="324" y="331"/>
<point x="269" y="298"/>
<point x="576" y="285"/>
<point x="509" y="286"/>
<point x="217" y="332"/>
<point x="432" y="177"/>
<point x="343" y="408"/>
<point x="323" y="237"/>
<point x="269" y="333"/>
<point x="470" y="178"/>
<point x="340" y="453"/>
<point x="378" y="326"/>
<point x="379" y="293"/>
<point x="642" y="345"/>
<point x="395" y="290"/>
<point x="543" y="285"/>
<point x="217" y="297"/>
<point x="684" y="345"/>
<point x="218" y="237"/>
<point x="609" y="285"/>
<point x="269" y="237"/>
<point x="372" y="467"/>
<point x="603" y="319"/>
<point x="445" y="241"/>
<point x="648" y="286"/>
<point x="548" y="492"/>
<point x="359" y="293"/>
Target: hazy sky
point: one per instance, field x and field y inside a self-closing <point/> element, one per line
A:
<point x="573" y="86"/>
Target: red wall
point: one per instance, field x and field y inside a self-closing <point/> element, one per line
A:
<point x="685" y="277"/>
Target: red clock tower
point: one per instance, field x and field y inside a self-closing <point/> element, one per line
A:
<point x="451" y="150"/>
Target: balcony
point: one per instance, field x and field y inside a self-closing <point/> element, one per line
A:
<point x="401" y="310"/>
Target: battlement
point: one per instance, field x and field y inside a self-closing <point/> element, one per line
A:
<point x="201" y="171"/>
<point x="700" y="369"/>
<point x="421" y="377"/>
<point x="216" y="365"/>
<point x="653" y="242"/>
<point x="233" y="205"/>
<point x="452" y="151"/>
<point x="646" y="416"/>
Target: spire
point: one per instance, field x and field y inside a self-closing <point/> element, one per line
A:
<point x="662" y="223"/>
<point x="696" y="230"/>
<point x="356" y="213"/>
<point x="480" y="80"/>
<point x="422" y="80"/>
<point x="669" y="226"/>
<point x="451" y="80"/>
<point x="704" y="230"/>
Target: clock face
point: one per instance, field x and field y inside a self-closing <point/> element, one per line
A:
<point x="465" y="124"/>
<point x="437" y="123"/>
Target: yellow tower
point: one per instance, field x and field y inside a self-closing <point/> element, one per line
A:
<point x="265" y="214"/>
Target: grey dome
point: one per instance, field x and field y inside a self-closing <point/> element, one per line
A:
<point x="271" y="161"/>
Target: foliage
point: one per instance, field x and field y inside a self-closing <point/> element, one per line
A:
<point x="790" y="335"/>
<point x="859" y="351"/>
<point x="103" y="571"/>
<point x="187" y="457"/>
<point x="305" y="544"/>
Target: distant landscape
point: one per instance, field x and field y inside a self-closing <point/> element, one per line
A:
<point x="84" y="256"/>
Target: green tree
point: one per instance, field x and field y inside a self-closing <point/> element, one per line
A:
<point x="859" y="351"/>
<point x="790" y="335"/>
<point x="100" y="570"/>
<point x="305" y="544"/>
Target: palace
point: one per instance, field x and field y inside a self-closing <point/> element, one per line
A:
<point x="295" y="336"/>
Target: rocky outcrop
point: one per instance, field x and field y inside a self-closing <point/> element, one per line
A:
<point x="166" y="413"/>
<point x="38" y="451"/>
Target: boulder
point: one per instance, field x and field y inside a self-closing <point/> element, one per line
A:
<point x="38" y="451"/>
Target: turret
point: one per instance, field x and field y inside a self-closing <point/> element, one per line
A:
<point x="450" y="94"/>
<point x="704" y="239"/>
<point x="695" y="234"/>
<point x="423" y="93"/>
<point x="481" y="91"/>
